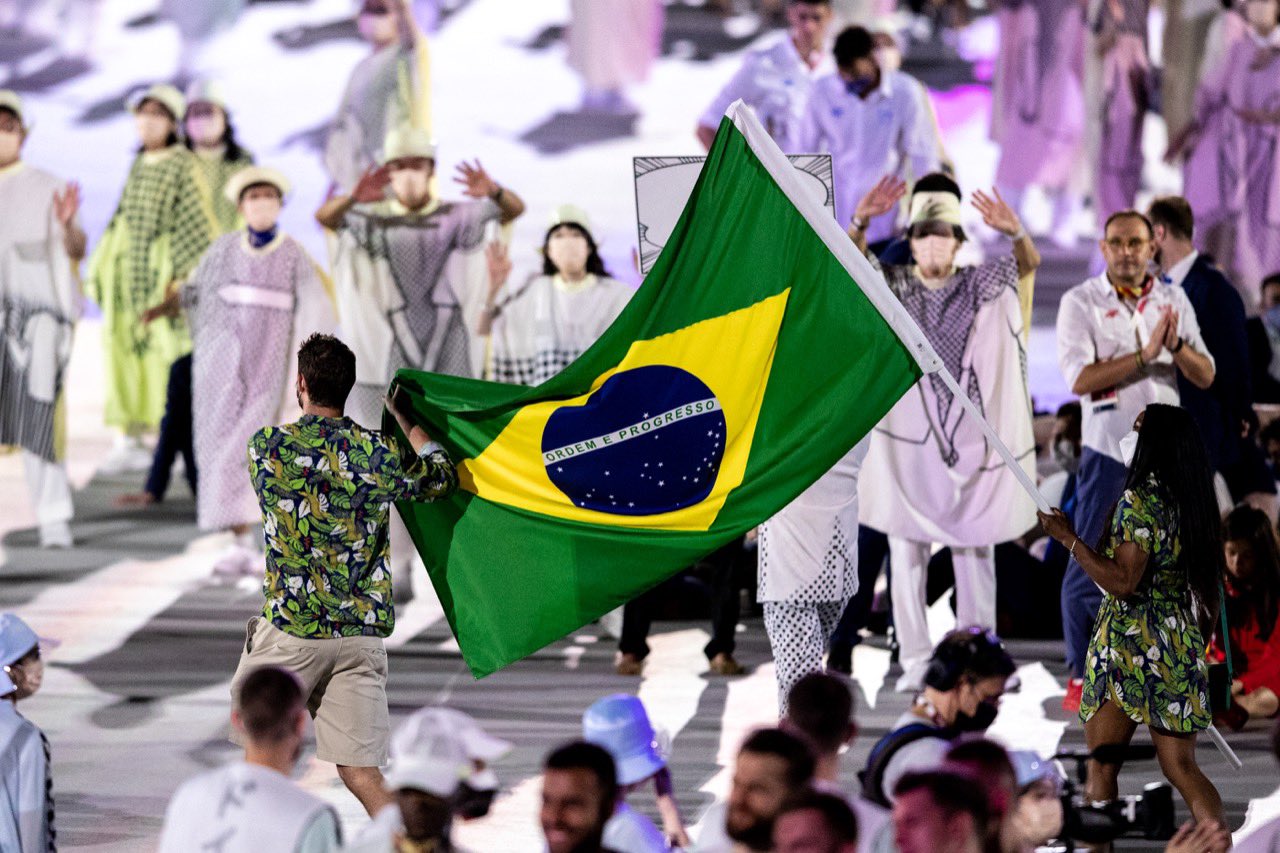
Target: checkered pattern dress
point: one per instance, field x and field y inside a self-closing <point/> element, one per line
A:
<point x="159" y="231"/>
<point x="212" y="174"/>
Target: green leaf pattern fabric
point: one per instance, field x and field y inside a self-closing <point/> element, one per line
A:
<point x="1147" y="652"/>
<point x="326" y="486"/>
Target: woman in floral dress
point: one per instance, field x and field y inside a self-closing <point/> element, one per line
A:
<point x="1160" y="567"/>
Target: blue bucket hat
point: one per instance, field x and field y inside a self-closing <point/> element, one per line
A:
<point x="620" y="725"/>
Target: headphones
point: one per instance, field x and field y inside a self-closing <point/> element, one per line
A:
<point x="958" y="653"/>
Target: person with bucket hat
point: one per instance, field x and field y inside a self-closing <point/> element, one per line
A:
<point x="439" y="770"/>
<point x="41" y="245"/>
<point x="161" y="226"/>
<point x="255" y="296"/>
<point x="399" y="303"/>
<point x="931" y="475"/>
<point x="26" y="783"/>
<point x="620" y="724"/>
<point x="208" y="133"/>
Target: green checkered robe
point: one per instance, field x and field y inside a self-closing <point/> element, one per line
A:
<point x="161" y="228"/>
<point x="212" y="174"/>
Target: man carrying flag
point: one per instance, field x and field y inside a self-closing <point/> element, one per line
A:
<point x="655" y="446"/>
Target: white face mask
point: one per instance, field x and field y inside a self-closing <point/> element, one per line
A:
<point x="377" y="29"/>
<point x="935" y="255"/>
<point x="412" y="187"/>
<point x="1128" y="447"/>
<point x="568" y="250"/>
<point x="10" y="146"/>
<point x="152" y="129"/>
<point x="260" y="214"/>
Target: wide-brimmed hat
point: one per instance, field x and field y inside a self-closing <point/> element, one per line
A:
<point x="620" y="724"/>
<point x="402" y="143"/>
<point x="17" y="639"/>
<point x="12" y="101"/>
<point x="164" y="95"/>
<point x="251" y="175"/>
<point x="435" y="750"/>
<point x="206" y="92"/>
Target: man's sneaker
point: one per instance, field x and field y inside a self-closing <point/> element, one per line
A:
<point x="723" y="664"/>
<point x="56" y="534"/>
<point x="626" y="664"/>
<point x="1075" y="692"/>
<point x="129" y="455"/>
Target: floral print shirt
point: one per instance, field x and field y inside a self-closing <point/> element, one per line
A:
<point x="326" y="486"/>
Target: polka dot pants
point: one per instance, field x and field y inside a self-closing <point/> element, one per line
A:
<point x="799" y="633"/>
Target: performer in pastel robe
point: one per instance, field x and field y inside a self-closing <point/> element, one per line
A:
<point x="1233" y="167"/>
<point x="1118" y="78"/>
<point x="160" y="229"/>
<point x="387" y="89"/>
<point x="1037" y="113"/>
<point x="612" y="44"/>
<point x="254" y="297"/>
<point x="931" y="475"/>
<point x="397" y="305"/>
<point x="41" y="245"/>
<point x="210" y="134"/>
<point x="537" y="329"/>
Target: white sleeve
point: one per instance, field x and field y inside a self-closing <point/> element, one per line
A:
<point x="1189" y="326"/>
<point x="740" y="85"/>
<point x="1076" y="349"/>
<point x="809" y="136"/>
<point x="924" y="754"/>
<point x="322" y="834"/>
<point x="920" y="134"/>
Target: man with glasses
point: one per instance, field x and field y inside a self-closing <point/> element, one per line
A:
<point x="1123" y="339"/>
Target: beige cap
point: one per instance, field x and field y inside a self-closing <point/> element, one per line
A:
<point x="164" y="95"/>
<point x="569" y="213"/>
<point x="935" y="207"/>
<point x="251" y="175"/>
<point x="11" y="100"/>
<point x="405" y="142"/>
<point x="206" y="92"/>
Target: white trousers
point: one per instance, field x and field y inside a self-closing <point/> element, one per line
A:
<point x="975" y="570"/>
<point x="799" y="633"/>
<point x="49" y="487"/>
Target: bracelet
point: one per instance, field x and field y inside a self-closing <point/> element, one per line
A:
<point x="1074" y="543"/>
<point x="1178" y="348"/>
<point x="857" y="224"/>
<point x="1022" y="232"/>
<point x="1142" y="365"/>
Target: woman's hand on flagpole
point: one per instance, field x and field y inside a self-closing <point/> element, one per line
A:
<point x="1057" y="525"/>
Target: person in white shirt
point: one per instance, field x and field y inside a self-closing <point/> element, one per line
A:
<point x="26" y="786"/>
<point x="820" y="708"/>
<point x="775" y="81"/>
<point x="1123" y="338"/>
<point x="874" y="121"/>
<point x="439" y="769"/>
<point x="252" y="805"/>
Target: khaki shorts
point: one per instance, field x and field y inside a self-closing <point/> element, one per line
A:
<point x="345" y="680"/>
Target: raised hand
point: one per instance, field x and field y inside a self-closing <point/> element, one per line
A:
<point x="372" y="186"/>
<point x="499" y="263"/>
<point x="881" y="199"/>
<point x="1171" y="333"/>
<point x="66" y="203"/>
<point x="475" y="180"/>
<point x="997" y="213"/>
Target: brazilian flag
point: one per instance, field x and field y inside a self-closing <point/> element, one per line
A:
<point x="758" y="351"/>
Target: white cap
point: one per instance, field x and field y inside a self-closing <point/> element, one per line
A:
<point x="570" y="214"/>
<point x="11" y="100"/>
<point x="250" y="175"/>
<point x="934" y="207"/>
<point x="405" y="142"/>
<point x="206" y="92"/>
<point x="164" y="95"/>
<point x="434" y="750"/>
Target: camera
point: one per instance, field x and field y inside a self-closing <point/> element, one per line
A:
<point x="1147" y="815"/>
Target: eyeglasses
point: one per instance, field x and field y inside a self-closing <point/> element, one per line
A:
<point x="1135" y="245"/>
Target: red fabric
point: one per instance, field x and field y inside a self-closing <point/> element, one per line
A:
<point x="1260" y="658"/>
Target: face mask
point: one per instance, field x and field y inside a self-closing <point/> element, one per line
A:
<point x="979" y="721"/>
<point x="1271" y="315"/>
<point x="1128" y="447"/>
<point x="260" y="214"/>
<point x="568" y="252"/>
<point x="152" y="129"/>
<point x="206" y="130"/>
<point x="377" y="29"/>
<point x="1066" y="455"/>
<point x="859" y="85"/>
<point x="10" y="145"/>
<point x="935" y="255"/>
<point x="412" y="187"/>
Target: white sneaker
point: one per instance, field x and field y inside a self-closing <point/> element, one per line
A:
<point x="236" y="561"/>
<point x="129" y="455"/>
<point x="56" y="534"/>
